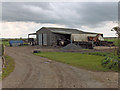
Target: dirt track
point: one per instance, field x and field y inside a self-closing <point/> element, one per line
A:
<point x="34" y="72"/>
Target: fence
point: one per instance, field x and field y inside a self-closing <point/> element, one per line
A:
<point x="2" y="55"/>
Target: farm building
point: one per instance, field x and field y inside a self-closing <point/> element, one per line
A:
<point x="62" y="36"/>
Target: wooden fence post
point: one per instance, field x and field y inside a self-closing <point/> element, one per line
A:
<point x="3" y="59"/>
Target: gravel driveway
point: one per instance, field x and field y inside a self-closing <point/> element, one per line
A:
<point x="37" y="72"/>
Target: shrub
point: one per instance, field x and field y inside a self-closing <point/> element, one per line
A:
<point x="110" y="63"/>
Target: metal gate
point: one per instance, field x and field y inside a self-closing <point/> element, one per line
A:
<point x="40" y="39"/>
<point x="44" y="39"/>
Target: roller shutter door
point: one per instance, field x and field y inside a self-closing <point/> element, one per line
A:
<point x="40" y="39"/>
<point x="44" y="39"/>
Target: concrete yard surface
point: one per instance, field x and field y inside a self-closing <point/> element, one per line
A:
<point x="37" y="72"/>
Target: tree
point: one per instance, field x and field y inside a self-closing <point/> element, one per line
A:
<point x="117" y="29"/>
<point x="113" y="61"/>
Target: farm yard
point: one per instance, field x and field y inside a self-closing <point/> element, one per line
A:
<point x="73" y="65"/>
<point x="60" y="45"/>
<point x="32" y="71"/>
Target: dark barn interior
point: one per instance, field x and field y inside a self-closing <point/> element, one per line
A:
<point x="62" y="39"/>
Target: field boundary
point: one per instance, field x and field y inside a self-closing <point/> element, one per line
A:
<point x="8" y="67"/>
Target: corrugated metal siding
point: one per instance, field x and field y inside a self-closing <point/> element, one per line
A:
<point x="81" y="37"/>
<point x="48" y="37"/>
<point x="44" y="39"/>
<point x="40" y="39"/>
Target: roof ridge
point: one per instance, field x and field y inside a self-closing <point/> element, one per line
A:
<point x="58" y="28"/>
<point x="67" y="29"/>
<point x="61" y="28"/>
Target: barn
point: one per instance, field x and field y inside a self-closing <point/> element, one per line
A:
<point x="51" y="36"/>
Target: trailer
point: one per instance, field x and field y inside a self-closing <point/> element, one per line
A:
<point x="87" y="40"/>
<point x="87" y="45"/>
<point x="104" y="43"/>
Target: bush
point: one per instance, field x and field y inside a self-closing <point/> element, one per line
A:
<point x="117" y="42"/>
<point x="110" y="63"/>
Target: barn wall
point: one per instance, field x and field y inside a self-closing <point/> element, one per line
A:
<point x="51" y="37"/>
<point x="43" y="31"/>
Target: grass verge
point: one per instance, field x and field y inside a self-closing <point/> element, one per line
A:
<point x="110" y="61"/>
<point x="86" y="61"/>
<point x="6" y="43"/>
<point x="9" y="67"/>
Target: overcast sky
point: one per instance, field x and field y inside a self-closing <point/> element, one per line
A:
<point x="19" y="19"/>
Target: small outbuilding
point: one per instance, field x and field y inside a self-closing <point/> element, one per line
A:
<point x="49" y="36"/>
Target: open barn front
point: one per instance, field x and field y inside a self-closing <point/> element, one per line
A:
<point x="32" y="39"/>
<point x="62" y="39"/>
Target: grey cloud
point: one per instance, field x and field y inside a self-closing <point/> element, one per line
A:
<point x="99" y="12"/>
<point x="70" y="14"/>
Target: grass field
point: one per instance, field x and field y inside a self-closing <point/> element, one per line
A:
<point x="9" y="66"/>
<point x="115" y="40"/>
<point x="90" y="62"/>
<point x="110" y="40"/>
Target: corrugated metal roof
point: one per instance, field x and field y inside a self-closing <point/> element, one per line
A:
<point x="62" y="32"/>
<point x="66" y="30"/>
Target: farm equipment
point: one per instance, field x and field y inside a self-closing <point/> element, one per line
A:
<point x="63" y="42"/>
<point x="99" y="41"/>
<point x="104" y="43"/>
<point x="87" y="45"/>
<point x="32" y="41"/>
